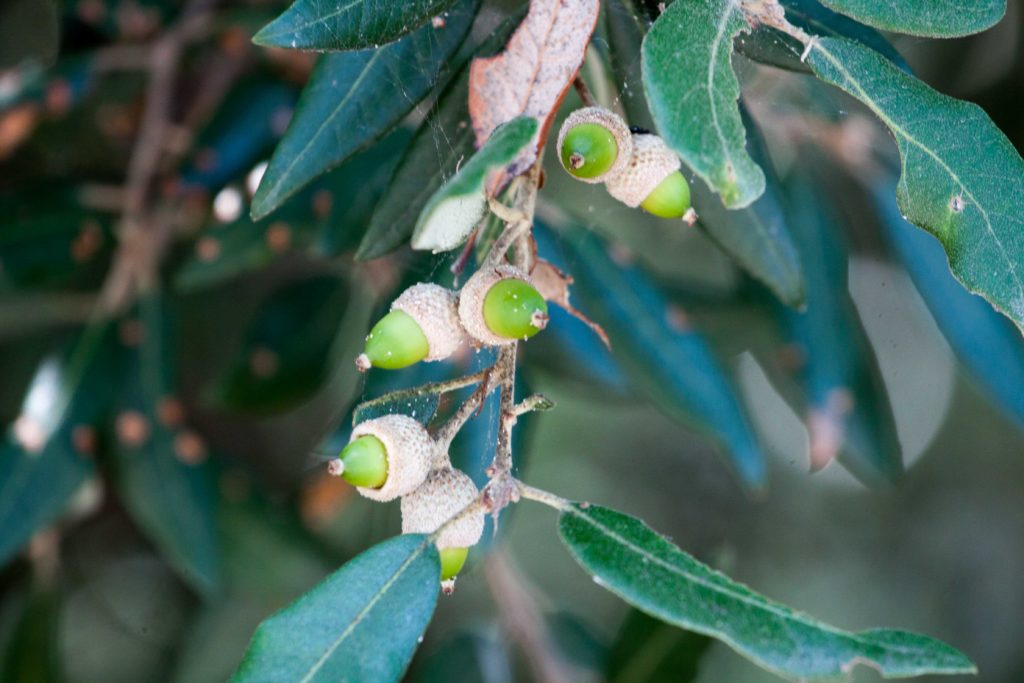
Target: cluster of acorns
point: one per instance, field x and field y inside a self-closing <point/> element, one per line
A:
<point x="394" y="456"/>
<point x="637" y="167"/>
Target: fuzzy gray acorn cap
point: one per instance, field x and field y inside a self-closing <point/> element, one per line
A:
<point x="651" y="163"/>
<point x="435" y="310"/>
<point x="410" y="452"/>
<point x="443" y="495"/>
<point x="614" y="123"/>
<point x="471" y="302"/>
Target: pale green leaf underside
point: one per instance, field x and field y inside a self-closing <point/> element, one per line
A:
<point x="347" y="24"/>
<point x="458" y="205"/>
<point x="961" y="178"/>
<point x="362" y="623"/>
<point x="646" y="570"/>
<point x="692" y="92"/>
<point x="354" y="98"/>
<point x="933" y="18"/>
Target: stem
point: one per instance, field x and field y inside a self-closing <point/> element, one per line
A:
<point x="586" y="97"/>
<point x="545" y="497"/>
<point x="451" y="428"/>
<point x="432" y="388"/>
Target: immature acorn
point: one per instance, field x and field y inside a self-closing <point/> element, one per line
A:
<point x="443" y="495"/>
<point x="387" y="457"/>
<point x="423" y="325"/>
<point x="594" y="144"/>
<point x="500" y="305"/>
<point x="652" y="180"/>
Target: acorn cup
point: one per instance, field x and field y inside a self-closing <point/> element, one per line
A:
<point x="387" y="457"/>
<point x="594" y="144"/>
<point x="500" y="305"/>
<point x="652" y="179"/>
<point x="444" y="494"/>
<point x="423" y="325"/>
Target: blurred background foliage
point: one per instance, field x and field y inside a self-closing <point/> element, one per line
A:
<point x="161" y="487"/>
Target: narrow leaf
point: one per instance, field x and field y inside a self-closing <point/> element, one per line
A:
<point x="769" y="46"/>
<point x="646" y="570"/>
<point x="961" y="177"/>
<point x="533" y="73"/>
<point x="458" y="205"/>
<point x="162" y="472"/>
<point x="354" y="98"/>
<point x="429" y="161"/>
<point x="362" y="623"/>
<point x="932" y="18"/>
<point x="758" y="236"/>
<point x="669" y="360"/>
<point x="988" y="344"/>
<point x="692" y="93"/>
<point x="348" y="24"/>
<point x="49" y="451"/>
<point x="848" y="414"/>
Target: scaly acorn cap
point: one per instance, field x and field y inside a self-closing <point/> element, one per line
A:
<point x="471" y="303"/>
<point x="410" y="452"/>
<point x="434" y="309"/>
<point x="652" y="162"/>
<point x="611" y="122"/>
<point x="443" y="495"/>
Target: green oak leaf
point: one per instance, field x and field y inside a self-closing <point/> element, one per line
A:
<point x="646" y="570"/>
<point x="961" y="178"/>
<point x="354" y="98"/>
<point x="347" y="24"/>
<point x="693" y="94"/>
<point x="932" y="18"/>
<point x="362" y="623"/>
<point x="770" y="46"/>
<point x="454" y="210"/>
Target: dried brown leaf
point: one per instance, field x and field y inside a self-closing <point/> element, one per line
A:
<point x="534" y="72"/>
<point x="553" y="285"/>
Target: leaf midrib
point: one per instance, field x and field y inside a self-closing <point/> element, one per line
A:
<point x="321" y="19"/>
<point x="900" y="132"/>
<point x="363" y="612"/>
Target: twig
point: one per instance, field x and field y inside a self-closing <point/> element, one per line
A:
<point x="542" y="496"/>
<point x="586" y="97"/>
<point x="524" y="622"/>
<point x="451" y="428"/>
<point x="532" y="403"/>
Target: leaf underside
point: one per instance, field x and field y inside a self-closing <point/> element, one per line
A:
<point x="347" y="24"/>
<point x="693" y="95"/>
<point x="458" y="205"/>
<point x="354" y="98"/>
<point x="961" y="178"/>
<point x="931" y="18"/>
<point x="628" y="558"/>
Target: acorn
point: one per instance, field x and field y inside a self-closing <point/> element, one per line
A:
<point x="594" y="144"/>
<point x="500" y="305"/>
<point x="423" y="325"/>
<point x="443" y="495"/>
<point x="387" y="457"/>
<point x="652" y="179"/>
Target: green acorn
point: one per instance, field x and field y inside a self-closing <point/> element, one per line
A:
<point x="443" y="495"/>
<point x="387" y="457"/>
<point x="423" y="325"/>
<point x="500" y="305"/>
<point x="652" y="180"/>
<point x="594" y="144"/>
